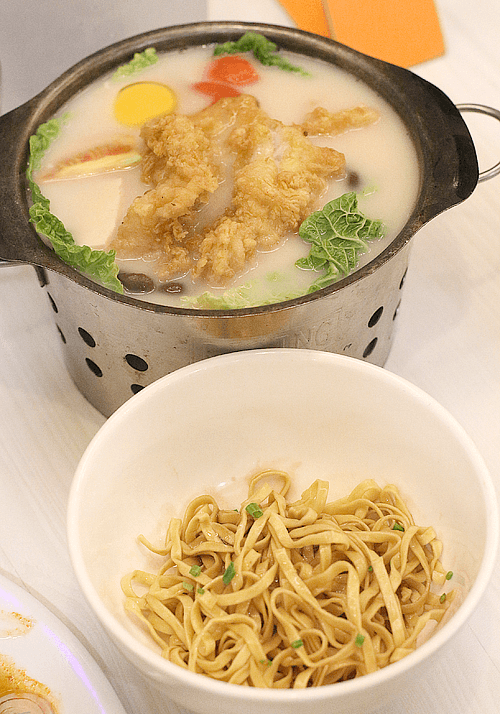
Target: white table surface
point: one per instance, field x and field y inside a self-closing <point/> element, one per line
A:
<point x="447" y="340"/>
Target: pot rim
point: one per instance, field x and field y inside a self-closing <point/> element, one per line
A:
<point x="433" y="121"/>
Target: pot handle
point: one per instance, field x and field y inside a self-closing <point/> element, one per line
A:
<point x="489" y="111"/>
<point x="17" y="244"/>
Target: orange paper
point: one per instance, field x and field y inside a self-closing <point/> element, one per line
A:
<point x="308" y="15"/>
<point x="404" y="32"/>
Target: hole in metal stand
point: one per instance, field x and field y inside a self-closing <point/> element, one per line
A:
<point x="86" y="337"/>
<point x="375" y="317"/>
<point x="61" y="334"/>
<point x="93" y="367"/>
<point x="52" y="303"/>
<point x="137" y="362"/>
<point x="370" y="347"/>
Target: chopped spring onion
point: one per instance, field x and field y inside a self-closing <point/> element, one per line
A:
<point x="254" y="510"/>
<point x="442" y="598"/>
<point x="229" y="574"/>
<point x="200" y="591"/>
<point x="195" y="570"/>
<point x="449" y="575"/>
<point x="359" y="640"/>
<point x="397" y="527"/>
<point x="297" y="644"/>
<point x="187" y="586"/>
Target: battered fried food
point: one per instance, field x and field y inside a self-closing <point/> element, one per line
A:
<point x="225" y="181"/>
<point x="321" y="121"/>
<point x="180" y="165"/>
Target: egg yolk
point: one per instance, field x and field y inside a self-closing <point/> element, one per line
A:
<point x="139" y="102"/>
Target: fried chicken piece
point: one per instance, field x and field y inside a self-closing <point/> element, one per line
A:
<point x="180" y="164"/>
<point x="321" y="121"/>
<point x="277" y="176"/>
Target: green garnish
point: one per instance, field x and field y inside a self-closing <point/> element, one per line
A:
<point x="339" y="234"/>
<point x="98" y="264"/>
<point x="195" y="570"/>
<point x="254" y="510"/>
<point x="442" y="598"/>
<point x="263" y="49"/>
<point x="140" y="61"/>
<point x="231" y="299"/>
<point x="449" y="575"/>
<point x="370" y="568"/>
<point x="254" y="293"/>
<point x="187" y="586"/>
<point x="297" y="644"/>
<point x="398" y="527"/>
<point x="359" y="640"/>
<point x="200" y="591"/>
<point x="229" y="574"/>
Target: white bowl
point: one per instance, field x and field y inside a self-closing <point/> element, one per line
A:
<point x="208" y="426"/>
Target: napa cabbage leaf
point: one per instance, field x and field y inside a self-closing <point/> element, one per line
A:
<point x="140" y="60"/>
<point x="338" y="233"/>
<point x="98" y="264"/>
<point x="265" y="51"/>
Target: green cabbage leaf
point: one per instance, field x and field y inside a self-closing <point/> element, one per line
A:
<point x="263" y="50"/>
<point x="338" y="233"/>
<point x="271" y="289"/>
<point x="139" y="62"/>
<point x="98" y="264"/>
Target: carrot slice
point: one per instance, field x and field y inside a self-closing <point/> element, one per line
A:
<point x="232" y="69"/>
<point x="216" y="90"/>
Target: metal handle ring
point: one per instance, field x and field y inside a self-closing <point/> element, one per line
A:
<point x="489" y="111"/>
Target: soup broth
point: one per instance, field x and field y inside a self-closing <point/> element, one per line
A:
<point x="381" y="167"/>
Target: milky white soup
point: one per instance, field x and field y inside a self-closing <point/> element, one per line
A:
<point x="381" y="167"/>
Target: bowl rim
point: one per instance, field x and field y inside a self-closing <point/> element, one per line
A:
<point x="214" y="687"/>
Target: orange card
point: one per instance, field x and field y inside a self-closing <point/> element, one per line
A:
<point x="308" y="15"/>
<point x="404" y="32"/>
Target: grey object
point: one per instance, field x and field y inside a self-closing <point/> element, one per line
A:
<point x="115" y="345"/>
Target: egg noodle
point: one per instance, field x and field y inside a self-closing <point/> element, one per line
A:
<point x="291" y="595"/>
